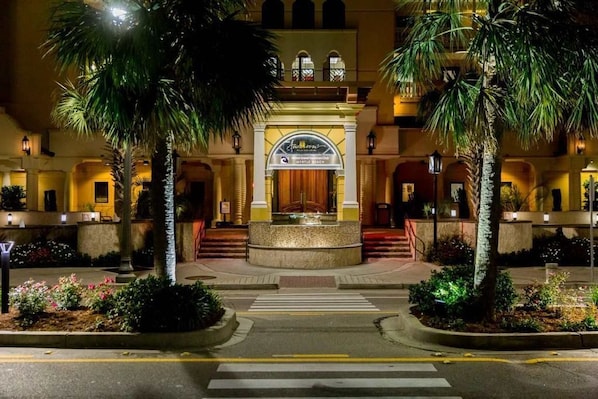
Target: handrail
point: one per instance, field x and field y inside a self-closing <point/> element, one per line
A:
<point x="412" y="238"/>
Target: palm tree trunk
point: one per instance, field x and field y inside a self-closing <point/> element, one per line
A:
<point x="125" y="270"/>
<point x="473" y="162"/>
<point x="486" y="268"/>
<point x="162" y="190"/>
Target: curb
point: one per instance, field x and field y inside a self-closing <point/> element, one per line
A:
<point x="219" y="333"/>
<point x="497" y="341"/>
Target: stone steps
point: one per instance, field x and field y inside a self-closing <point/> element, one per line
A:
<point x="385" y="244"/>
<point x="223" y="243"/>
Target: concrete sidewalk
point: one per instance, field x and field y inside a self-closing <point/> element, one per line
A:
<point x="231" y="274"/>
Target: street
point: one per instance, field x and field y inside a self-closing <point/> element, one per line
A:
<point x="301" y="344"/>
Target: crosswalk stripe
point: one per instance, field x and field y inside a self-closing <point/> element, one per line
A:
<point x="316" y="302"/>
<point x="344" y="383"/>
<point x="324" y="367"/>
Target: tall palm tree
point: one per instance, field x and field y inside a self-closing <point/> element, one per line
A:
<point x="535" y="63"/>
<point x="161" y="73"/>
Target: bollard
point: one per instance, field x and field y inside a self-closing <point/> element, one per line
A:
<point x="5" y="247"/>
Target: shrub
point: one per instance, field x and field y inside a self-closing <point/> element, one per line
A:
<point x="12" y="198"/>
<point x="101" y="297"/>
<point x="451" y="251"/>
<point x="539" y="296"/>
<point x="155" y="304"/>
<point x="450" y="293"/>
<point x="67" y="294"/>
<point x="42" y="253"/>
<point x="30" y="299"/>
<point x="529" y="324"/>
<point x="594" y="295"/>
<point x="110" y="259"/>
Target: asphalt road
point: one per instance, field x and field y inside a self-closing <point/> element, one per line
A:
<point x="284" y="349"/>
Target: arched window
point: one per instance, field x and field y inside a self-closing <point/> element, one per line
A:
<point x="277" y="67"/>
<point x="303" y="14"/>
<point x="303" y="68"/>
<point x="273" y="14"/>
<point x="333" y="14"/>
<point x="334" y="68"/>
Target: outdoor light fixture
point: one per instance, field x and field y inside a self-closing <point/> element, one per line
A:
<point x="434" y="168"/>
<point x="514" y="215"/>
<point x="546" y="217"/>
<point x="371" y="142"/>
<point x="9" y="219"/>
<point x="237" y="142"/>
<point x="453" y="213"/>
<point x="25" y="145"/>
<point x="145" y="162"/>
<point x="63" y="218"/>
<point x="581" y="144"/>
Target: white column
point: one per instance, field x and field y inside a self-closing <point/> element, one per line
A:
<point x="350" y="200"/>
<point x="6" y="178"/>
<point x="259" y="205"/>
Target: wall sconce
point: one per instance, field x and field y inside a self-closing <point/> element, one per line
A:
<point x="546" y="217"/>
<point x="514" y="215"/>
<point x="371" y="142"/>
<point x="25" y="145"/>
<point x="453" y="213"/>
<point x="581" y="144"/>
<point x="9" y="219"/>
<point x="63" y="218"/>
<point x="236" y="142"/>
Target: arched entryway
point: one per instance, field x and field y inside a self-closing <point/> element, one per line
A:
<point x="303" y="166"/>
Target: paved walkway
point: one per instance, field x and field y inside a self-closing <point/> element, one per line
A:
<point x="237" y="274"/>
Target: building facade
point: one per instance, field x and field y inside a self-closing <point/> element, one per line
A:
<point x="339" y="144"/>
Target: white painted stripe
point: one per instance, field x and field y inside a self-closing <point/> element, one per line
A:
<point x="300" y="310"/>
<point x="317" y="305"/>
<point x="306" y="300"/>
<point x="315" y="302"/>
<point x="347" y="397"/>
<point x="336" y="383"/>
<point x="324" y="367"/>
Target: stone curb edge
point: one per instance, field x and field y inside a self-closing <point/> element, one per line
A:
<point x="219" y="333"/>
<point x="499" y="341"/>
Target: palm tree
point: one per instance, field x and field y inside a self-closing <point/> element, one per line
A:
<point x="535" y="64"/>
<point x="161" y="73"/>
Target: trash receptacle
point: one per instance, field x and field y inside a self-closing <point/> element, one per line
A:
<point x="383" y="214"/>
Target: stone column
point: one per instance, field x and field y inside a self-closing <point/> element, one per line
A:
<point x="269" y="191"/>
<point x="217" y="187"/>
<point x="6" y="178"/>
<point x="33" y="189"/>
<point x="350" y="204"/>
<point x="367" y="191"/>
<point x="67" y="200"/>
<point x="240" y="190"/>
<point x="259" y="205"/>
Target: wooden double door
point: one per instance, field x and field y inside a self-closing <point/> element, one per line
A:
<point x="311" y="186"/>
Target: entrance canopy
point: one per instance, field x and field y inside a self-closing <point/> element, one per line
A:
<point x="305" y="150"/>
